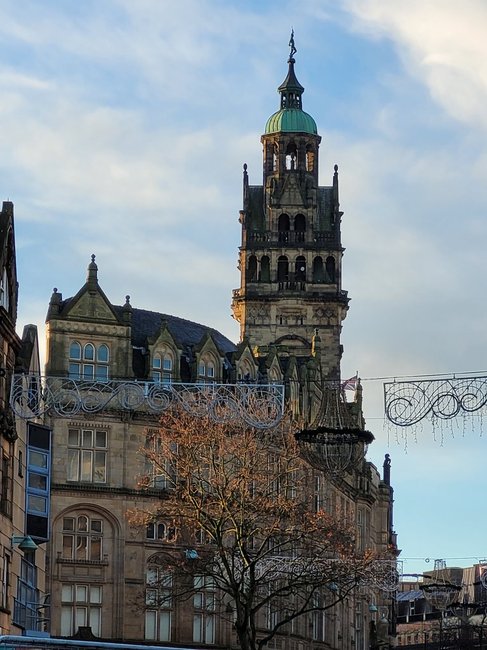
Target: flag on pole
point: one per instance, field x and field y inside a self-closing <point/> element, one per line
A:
<point x="350" y="384"/>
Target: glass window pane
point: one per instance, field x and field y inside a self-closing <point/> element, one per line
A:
<point x="73" y="465"/>
<point x="209" y="629"/>
<point x="89" y="352"/>
<point x="103" y="353"/>
<point x="156" y="361"/>
<point x="75" y="350"/>
<point x="95" y="549"/>
<point x="74" y="370"/>
<point x="150" y="626"/>
<point x="81" y="549"/>
<point x="66" y="621"/>
<point x="101" y="373"/>
<point x="37" y="459"/>
<point x="88" y="371"/>
<point x="87" y="438"/>
<point x="167" y="365"/>
<point x="68" y="523"/>
<point x="68" y="543"/>
<point x="37" y="481"/>
<point x="211" y="370"/>
<point x="95" y="594"/>
<point x="81" y="593"/>
<point x="156" y="377"/>
<point x="99" y="473"/>
<point x="86" y="465"/>
<point x="73" y="437"/>
<point x="36" y="503"/>
<point x="101" y="439"/>
<point x="151" y="576"/>
<point x="197" y="631"/>
<point x="80" y="617"/>
<point x="83" y="523"/>
<point x="95" y="620"/>
<point x="96" y="525"/>
<point x="67" y="594"/>
<point x="164" y="626"/>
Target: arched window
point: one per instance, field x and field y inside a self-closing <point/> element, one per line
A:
<point x="89" y="352"/>
<point x="310" y="158"/>
<point x="102" y="354"/>
<point x="330" y="269"/>
<point x="162" y="367"/>
<point x="318" y="270"/>
<point x="158" y="601"/>
<point x="246" y="373"/>
<point x="300" y="269"/>
<point x="82" y="538"/>
<point x="283" y="226"/>
<point x="252" y="269"/>
<point x="75" y="350"/>
<point x="160" y="530"/>
<point x="282" y="269"/>
<point x="291" y="156"/>
<point x="300" y="227"/>
<point x="88" y="362"/>
<point x="265" y="269"/>
<point x="206" y="371"/>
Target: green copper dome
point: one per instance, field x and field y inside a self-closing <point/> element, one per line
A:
<point x="291" y="119"/>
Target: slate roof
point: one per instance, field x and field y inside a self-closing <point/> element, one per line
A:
<point x="185" y="332"/>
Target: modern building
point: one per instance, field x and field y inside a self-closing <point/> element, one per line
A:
<point x="24" y="463"/>
<point x="110" y="366"/>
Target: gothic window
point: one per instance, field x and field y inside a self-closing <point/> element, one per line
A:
<point x="87" y="455"/>
<point x="300" y="269"/>
<point x="318" y="270"/>
<point x="283" y="226"/>
<point x="81" y="607"/>
<point x="88" y="362"/>
<point x="204" y="610"/>
<point x="162" y="367"/>
<point x="206" y="370"/>
<point x="252" y="269"/>
<point x="282" y="269"/>
<point x="300" y="227"/>
<point x="158" y="600"/>
<point x="330" y="269"/>
<point x="246" y="372"/>
<point x="265" y="269"/>
<point x="82" y="538"/>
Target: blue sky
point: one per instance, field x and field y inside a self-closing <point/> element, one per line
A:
<point x="124" y="128"/>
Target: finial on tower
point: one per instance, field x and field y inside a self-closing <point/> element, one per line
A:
<point x="292" y="46"/>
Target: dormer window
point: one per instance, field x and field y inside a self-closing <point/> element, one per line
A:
<point x="206" y="371"/>
<point x="162" y="367"/>
<point x="88" y="362"/>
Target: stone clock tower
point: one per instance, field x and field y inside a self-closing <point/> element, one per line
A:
<point x="290" y="297"/>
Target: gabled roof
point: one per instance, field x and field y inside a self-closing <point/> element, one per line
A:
<point x="186" y="333"/>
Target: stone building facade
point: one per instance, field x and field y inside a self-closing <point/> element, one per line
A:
<point x="290" y="306"/>
<point x="24" y="463"/>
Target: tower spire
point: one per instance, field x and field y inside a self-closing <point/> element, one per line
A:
<point x="290" y="89"/>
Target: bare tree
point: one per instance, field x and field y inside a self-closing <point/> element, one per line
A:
<point x="239" y="504"/>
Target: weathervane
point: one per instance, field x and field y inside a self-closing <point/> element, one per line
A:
<point x="292" y="46"/>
